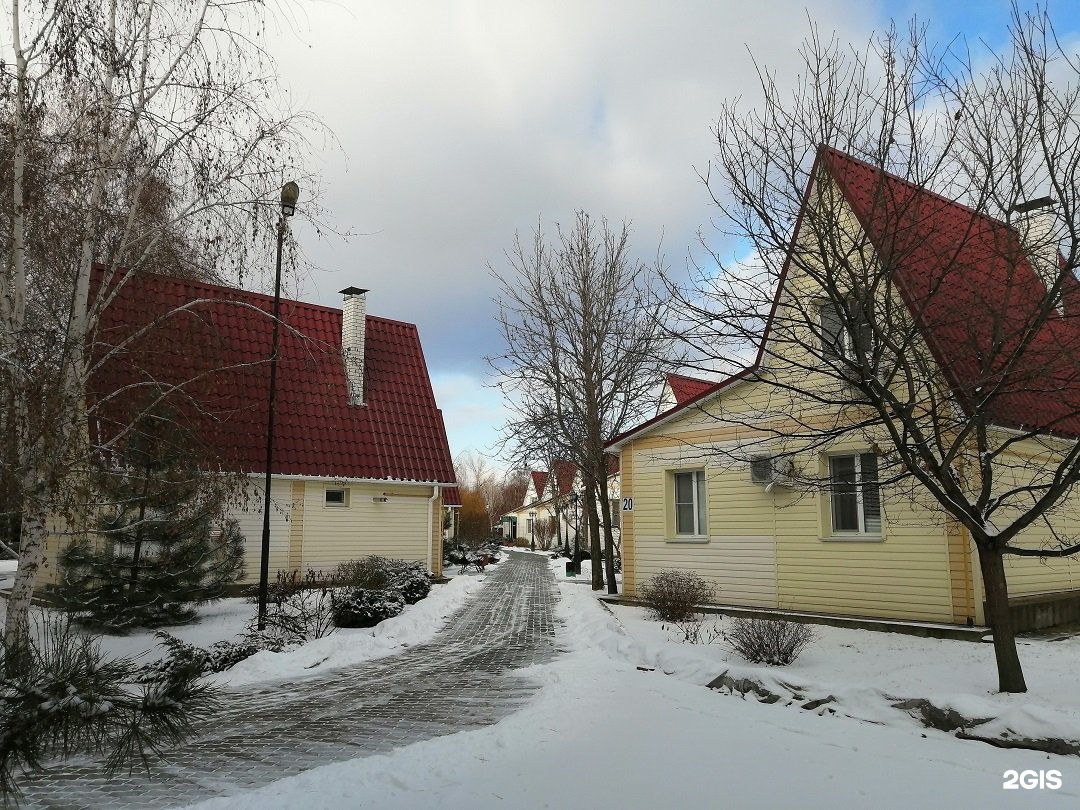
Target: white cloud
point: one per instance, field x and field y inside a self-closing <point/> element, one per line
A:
<point x="466" y="120"/>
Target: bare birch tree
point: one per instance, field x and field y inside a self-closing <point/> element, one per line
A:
<point x="583" y="355"/>
<point x="159" y="117"/>
<point x="904" y="324"/>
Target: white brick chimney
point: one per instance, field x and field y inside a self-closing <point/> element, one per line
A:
<point x="1037" y="223"/>
<point x="353" y="328"/>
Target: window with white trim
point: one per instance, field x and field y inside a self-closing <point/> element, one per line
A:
<point x="855" y="496"/>
<point x="336" y="496"/>
<point x="689" y="500"/>
<point x="840" y="340"/>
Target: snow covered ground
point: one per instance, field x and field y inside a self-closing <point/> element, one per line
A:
<point x="623" y="720"/>
<point x="611" y="729"/>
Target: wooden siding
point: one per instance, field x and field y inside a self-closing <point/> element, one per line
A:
<point x="961" y="573"/>
<point x="248" y="513"/>
<point x="296" y="528"/>
<point x="772" y="549"/>
<point x="626" y="535"/>
<point x="397" y="528"/>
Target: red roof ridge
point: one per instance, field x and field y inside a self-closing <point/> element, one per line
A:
<point x="926" y="192"/>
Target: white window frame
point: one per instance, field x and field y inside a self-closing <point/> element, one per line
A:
<point x="344" y="502"/>
<point x="841" y="347"/>
<point x="699" y="501"/>
<point x="860" y="498"/>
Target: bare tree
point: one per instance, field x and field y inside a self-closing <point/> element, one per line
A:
<point x="507" y="493"/>
<point x="941" y="338"/>
<point x="545" y="531"/>
<point x="160" y="119"/>
<point x="583" y="353"/>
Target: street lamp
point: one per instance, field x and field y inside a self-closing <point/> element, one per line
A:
<point x="290" y="193"/>
<point x="532" y="531"/>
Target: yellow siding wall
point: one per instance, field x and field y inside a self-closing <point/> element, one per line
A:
<point x="397" y="528"/>
<point x="248" y="513"/>
<point x="771" y="549"/>
<point x="1034" y="575"/>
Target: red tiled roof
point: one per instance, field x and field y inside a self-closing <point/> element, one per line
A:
<point x="451" y="496"/>
<point x="539" y="482"/>
<point x="565" y="472"/>
<point x="973" y="293"/>
<point x="216" y="349"/>
<point x="663" y="416"/>
<point x="686" y="388"/>
<point x="975" y="297"/>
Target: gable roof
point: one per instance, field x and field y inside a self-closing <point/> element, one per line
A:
<point x="539" y="482"/>
<point x="686" y="388"/>
<point x="213" y="343"/>
<point x="972" y="291"/>
<point x="975" y="297"/>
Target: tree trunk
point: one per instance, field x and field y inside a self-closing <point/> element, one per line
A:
<point x="1010" y="674"/>
<point x="609" y="542"/>
<point x="31" y="556"/>
<point x="594" y="537"/>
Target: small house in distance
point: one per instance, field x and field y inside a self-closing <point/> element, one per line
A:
<point x="361" y="460"/>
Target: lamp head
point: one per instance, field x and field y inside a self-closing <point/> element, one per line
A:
<point x="290" y="193"/>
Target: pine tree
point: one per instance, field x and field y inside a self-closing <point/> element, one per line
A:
<point x="162" y="547"/>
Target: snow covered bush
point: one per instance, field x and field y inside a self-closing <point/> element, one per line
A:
<point x="410" y="579"/>
<point x="768" y="641"/>
<point x="360" y="607"/>
<point x="184" y="657"/>
<point x="673" y="596"/>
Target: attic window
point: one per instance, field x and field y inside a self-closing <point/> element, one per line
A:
<point x="336" y="497"/>
<point x="839" y="341"/>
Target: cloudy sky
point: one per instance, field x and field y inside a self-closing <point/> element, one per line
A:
<point x="461" y="122"/>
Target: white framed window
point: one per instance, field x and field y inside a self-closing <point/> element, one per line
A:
<point x="854" y="494"/>
<point x="336" y="496"/>
<point x="689" y="502"/>
<point x="839" y="340"/>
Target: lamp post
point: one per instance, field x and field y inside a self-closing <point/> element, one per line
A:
<point x="577" y="523"/>
<point x="290" y="193"/>
<point x="532" y="531"/>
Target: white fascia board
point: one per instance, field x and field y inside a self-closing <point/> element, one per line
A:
<point x="726" y="386"/>
<point x="336" y="480"/>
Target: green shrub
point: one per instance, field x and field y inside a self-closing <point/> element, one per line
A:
<point x="360" y="607"/>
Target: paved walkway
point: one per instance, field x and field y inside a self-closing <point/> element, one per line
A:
<point x="456" y="682"/>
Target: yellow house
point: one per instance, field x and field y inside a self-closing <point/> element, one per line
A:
<point x="779" y="484"/>
<point x="361" y="460"/>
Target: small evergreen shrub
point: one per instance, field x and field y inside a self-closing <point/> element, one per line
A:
<point x="187" y="658"/>
<point x="410" y="579"/>
<point x="673" y="596"/>
<point x="768" y="641"/>
<point x="60" y="696"/>
<point x="359" y="607"/>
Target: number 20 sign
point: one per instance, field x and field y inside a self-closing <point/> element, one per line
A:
<point x="628" y="504"/>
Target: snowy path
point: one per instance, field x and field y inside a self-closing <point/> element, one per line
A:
<point x="456" y="682"/>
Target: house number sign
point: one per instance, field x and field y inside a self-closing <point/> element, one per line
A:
<point x="628" y="504"/>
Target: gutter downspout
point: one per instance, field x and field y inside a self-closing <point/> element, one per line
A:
<point x="431" y="525"/>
